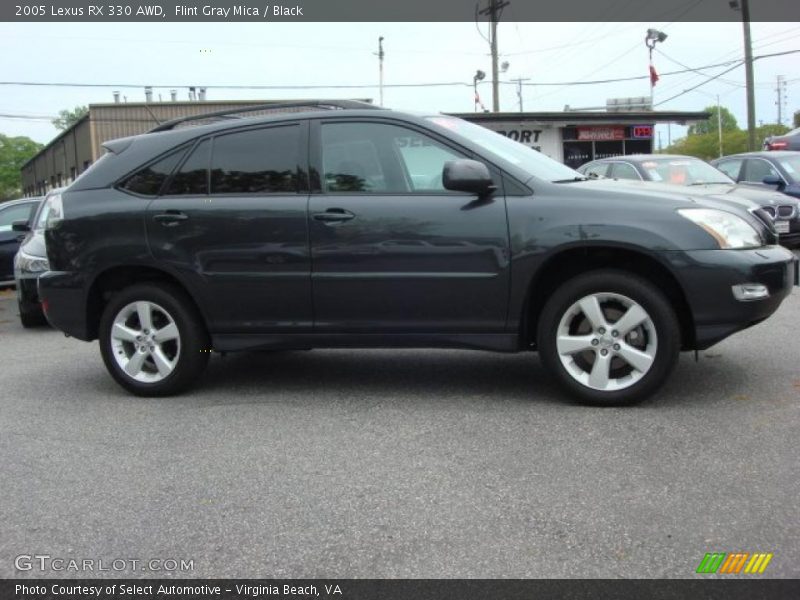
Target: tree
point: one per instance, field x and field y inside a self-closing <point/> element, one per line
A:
<point x="710" y="125"/>
<point x="67" y="118"/>
<point x="14" y="152"/>
<point x="706" y="145"/>
<point x="797" y="118"/>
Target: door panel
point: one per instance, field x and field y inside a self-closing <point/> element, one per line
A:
<point x="406" y="255"/>
<point x="245" y="244"/>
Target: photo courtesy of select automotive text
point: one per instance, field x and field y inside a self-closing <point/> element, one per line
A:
<point x="377" y="300"/>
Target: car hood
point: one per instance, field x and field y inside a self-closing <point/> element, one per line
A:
<point x="759" y="196"/>
<point x="678" y="196"/>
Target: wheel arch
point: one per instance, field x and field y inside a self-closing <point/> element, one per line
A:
<point x="569" y="263"/>
<point x="117" y="278"/>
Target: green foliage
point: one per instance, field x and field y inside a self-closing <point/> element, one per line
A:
<point x="711" y="124"/>
<point x="67" y="118"/>
<point x="14" y="152"/>
<point x="706" y="145"/>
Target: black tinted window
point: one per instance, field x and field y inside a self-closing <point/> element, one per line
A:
<point x="256" y="162"/>
<point x="148" y="181"/>
<point x="192" y="178"/>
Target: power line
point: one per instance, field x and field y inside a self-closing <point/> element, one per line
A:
<point x="394" y="85"/>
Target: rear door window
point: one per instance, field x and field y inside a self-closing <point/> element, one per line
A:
<point x="192" y="178"/>
<point x="625" y="171"/>
<point x="257" y="161"/>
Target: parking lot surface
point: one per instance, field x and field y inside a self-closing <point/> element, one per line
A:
<point x="366" y="463"/>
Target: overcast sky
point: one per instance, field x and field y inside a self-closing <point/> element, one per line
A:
<point x="176" y="55"/>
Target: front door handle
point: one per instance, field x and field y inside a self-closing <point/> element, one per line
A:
<point x="334" y="215"/>
<point x="170" y="218"/>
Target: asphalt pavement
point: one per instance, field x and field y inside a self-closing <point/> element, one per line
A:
<point x="410" y="463"/>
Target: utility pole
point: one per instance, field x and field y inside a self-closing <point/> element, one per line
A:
<point x="494" y="10"/>
<point x="519" y="81"/>
<point x="744" y="6"/>
<point x="380" y="69"/>
<point x="781" y="91"/>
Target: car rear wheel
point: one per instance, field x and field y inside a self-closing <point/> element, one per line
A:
<point x="610" y="337"/>
<point x="152" y="340"/>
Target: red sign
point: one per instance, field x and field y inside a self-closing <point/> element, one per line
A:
<point x="600" y="134"/>
<point x="642" y="132"/>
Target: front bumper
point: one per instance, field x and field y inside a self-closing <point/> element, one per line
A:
<point x="708" y="276"/>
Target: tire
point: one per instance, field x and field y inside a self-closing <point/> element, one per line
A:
<point x="173" y="352"/>
<point x="634" y="360"/>
<point x="31" y="317"/>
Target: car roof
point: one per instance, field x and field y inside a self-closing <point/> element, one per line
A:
<point x="21" y="201"/>
<point x="646" y="157"/>
<point x="763" y="154"/>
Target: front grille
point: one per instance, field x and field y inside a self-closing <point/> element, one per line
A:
<point x="786" y="211"/>
<point x="770" y="210"/>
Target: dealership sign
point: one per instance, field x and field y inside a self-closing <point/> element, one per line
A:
<point x="600" y="134"/>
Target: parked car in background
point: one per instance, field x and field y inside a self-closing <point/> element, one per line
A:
<point x="704" y="179"/>
<point x="10" y="212"/>
<point x="787" y="141"/>
<point x="366" y="227"/>
<point x="29" y="263"/>
<point x="779" y="170"/>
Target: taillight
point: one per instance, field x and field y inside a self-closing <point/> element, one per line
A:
<point x="777" y="145"/>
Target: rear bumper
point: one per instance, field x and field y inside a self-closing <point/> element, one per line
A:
<point x="708" y="277"/>
<point x="63" y="298"/>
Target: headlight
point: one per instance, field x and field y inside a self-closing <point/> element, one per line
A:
<point x="727" y="229"/>
<point x="28" y="263"/>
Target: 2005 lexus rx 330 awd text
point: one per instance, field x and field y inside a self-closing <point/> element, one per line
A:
<point x="345" y="225"/>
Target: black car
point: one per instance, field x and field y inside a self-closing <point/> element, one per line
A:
<point x="706" y="180"/>
<point x="366" y="227"/>
<point x="29" y="263"/>
<point x="12" y="211"/>
<point x="765" y="170"/>
<point x="788" y="141"/>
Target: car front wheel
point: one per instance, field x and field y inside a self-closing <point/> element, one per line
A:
<point x="610" y="337"/>
<point x="152" y="340"/>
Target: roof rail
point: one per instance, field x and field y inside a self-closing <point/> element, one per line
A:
<point x="229" y="113"/>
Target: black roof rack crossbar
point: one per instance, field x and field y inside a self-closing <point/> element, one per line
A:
<point x="228" y="113"/>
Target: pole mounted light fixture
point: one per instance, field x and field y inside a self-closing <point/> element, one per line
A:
<point x="653" y="37"/>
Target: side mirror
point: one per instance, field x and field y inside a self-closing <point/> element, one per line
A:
<point x="465" y="175"/>
<point x="773" y="180"/>
<point x="20" y="226"/>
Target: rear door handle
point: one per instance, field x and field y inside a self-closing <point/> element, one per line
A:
<point x="170" y="218"/>
<point x="334" y="215"/>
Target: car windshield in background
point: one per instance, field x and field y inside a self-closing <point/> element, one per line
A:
<point x="534" y="162"/>
<point x="683" y="171"/>
<point x="791" y="164"/>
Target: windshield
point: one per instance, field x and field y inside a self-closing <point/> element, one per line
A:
<point x="683" y="171"/>
<point x="791" y="165"/>
<point x="532" y="161"/>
